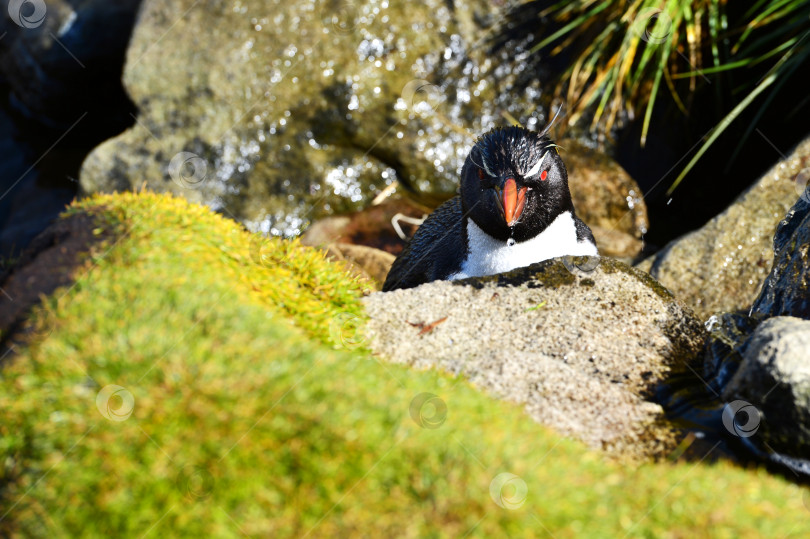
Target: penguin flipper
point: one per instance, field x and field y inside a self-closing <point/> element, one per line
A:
<point x="435" y="251"/>
<point x="584" y="233"/>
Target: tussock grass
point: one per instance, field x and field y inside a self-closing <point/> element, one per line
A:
<point x="627" y="53"/>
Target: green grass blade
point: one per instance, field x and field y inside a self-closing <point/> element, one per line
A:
<point x="570" y="26"/>
<point x="783" y="76"/>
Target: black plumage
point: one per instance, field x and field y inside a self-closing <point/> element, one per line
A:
<point x="436" y="250"/>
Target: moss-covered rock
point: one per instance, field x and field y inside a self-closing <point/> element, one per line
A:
<point x="198" y="380"/>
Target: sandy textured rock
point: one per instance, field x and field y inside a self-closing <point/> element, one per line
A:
<point x="618" y="244"/>
<point x="774" y="376"/>
<point x="721" y="266"/>
<point x="582" y="350"/>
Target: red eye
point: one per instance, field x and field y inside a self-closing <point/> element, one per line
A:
<point x="543" y="175"/>
<point x="480" y="174"/>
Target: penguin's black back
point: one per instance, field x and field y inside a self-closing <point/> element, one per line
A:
<point x="584" y="233"/>
<point x="435" y="252"/>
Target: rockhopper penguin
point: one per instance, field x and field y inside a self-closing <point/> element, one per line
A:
<point x="514" y="209"/>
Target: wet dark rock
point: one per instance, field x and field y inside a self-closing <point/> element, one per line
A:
<point x="63" y="52"/>
<point x="786" y="291"/>
<point x="728" y="333"/>
<point x="294" y="111"/>
<point x="60" y="95"/>
<point x="758" y="361"/>
<point x="581" y="342"/>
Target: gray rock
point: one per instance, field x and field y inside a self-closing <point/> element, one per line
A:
<point x="286" y="112"/>
<point x="774" y="376"/>
<point x="721" y="266"/>
<point x="786" y="291"/>
<point x="581" y="350"/>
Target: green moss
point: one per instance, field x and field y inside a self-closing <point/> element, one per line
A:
<point x="247" y="418"/>
<point x="548" y="273"/>
<point x="611" y="265"/>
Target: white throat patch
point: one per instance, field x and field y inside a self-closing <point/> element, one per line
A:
<point x="489" y="256"/>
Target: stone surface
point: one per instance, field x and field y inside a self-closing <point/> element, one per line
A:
<point x="786" y="291"/>
<point x="286" y="112"/>
<point x="617" y="244"/>
<point x="774" y="376"/>
<point x="721" y="266"/>
<point x="582" y="350"/>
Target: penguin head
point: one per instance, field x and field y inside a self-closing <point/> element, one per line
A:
<point x="514" y="183"/>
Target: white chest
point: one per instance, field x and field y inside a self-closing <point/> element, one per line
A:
<point x="488" y="256"/>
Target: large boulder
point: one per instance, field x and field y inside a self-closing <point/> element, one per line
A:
<point x="721" y="266"/>
<point x="286" y="112"/>
<point x="758" y="362"/>
<point x="582" y="343"/>
<point x="774" y="377"/>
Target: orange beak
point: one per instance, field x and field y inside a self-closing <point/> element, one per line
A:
<point x="514" y="200"/>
